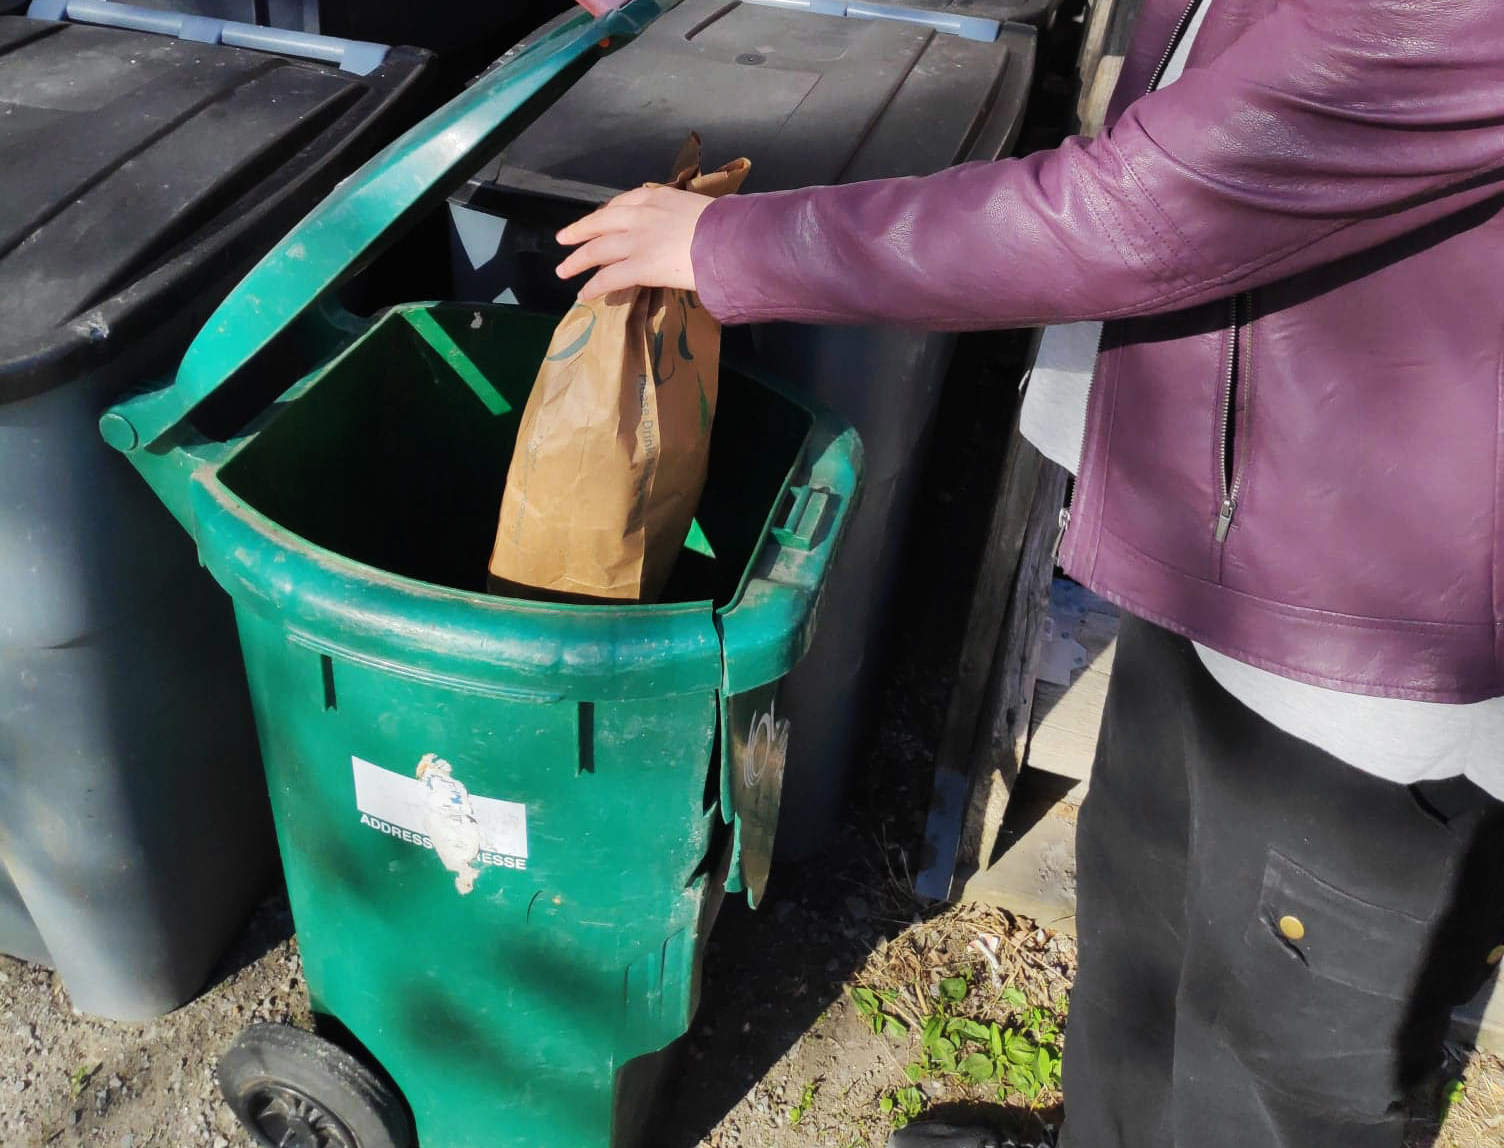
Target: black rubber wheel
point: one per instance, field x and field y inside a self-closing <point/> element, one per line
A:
<point x="292" y="1089"/>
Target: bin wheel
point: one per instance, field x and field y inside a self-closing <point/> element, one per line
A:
<point x="292" y="1089"/>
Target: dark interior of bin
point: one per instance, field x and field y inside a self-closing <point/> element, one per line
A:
<point x="392" y="460"/>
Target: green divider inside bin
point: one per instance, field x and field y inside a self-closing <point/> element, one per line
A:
<point x="392" y="460"/>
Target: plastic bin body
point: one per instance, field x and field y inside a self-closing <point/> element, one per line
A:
<point x="621" y="765"/>
<point x="134" y="832"/>
<point x="811" y="99"/>
<point x="586" y="737"/>
<point x="502" y="1014"/>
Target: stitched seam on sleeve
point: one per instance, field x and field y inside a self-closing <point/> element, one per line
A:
<point x="1186" y="246"/>
<point x="1112" y="228"/>
<point x="1188" y="261"/>
<point x="1172" y="270"/>
<point x="1168" y="255"/>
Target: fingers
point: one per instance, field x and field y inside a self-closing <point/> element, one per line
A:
<point x="616" y="277"/>
<point x="582" y="230"/>
<point x="620" y="214"/>
<point x="608" y="248"/>
<point x="640" y="239"/>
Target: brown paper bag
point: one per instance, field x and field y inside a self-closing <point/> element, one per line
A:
<point x="611" y="453"/>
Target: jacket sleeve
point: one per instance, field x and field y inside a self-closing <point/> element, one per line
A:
<point x="1325" y="129"/>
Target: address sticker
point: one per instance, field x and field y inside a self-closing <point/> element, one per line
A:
<point x="431" y="808"/>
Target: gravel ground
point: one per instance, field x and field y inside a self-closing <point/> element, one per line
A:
<point x="67" y="1079"/>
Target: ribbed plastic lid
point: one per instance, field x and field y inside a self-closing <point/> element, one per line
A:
<point x="141" y="173"/>
<point x="810" y="98"/>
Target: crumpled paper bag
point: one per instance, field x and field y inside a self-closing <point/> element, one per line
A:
<point x="611" y="453"/>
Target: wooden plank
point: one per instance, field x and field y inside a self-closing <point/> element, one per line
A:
<point x="1100" y="62"/>
<point x="1098" y="20"/>
<point x="1480" y="1022"/>
<point x="1096" y="94"/>
<point x="1066" y="718"/>
<point x="989" y="604"/>
<point x="1002" y="736"/>
<point x="1035" y="875"/>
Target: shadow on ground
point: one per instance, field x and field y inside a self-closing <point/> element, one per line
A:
<point x="770" y="975"/>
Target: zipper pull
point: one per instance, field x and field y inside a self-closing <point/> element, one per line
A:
<point x="1065" y="520"/>
<point x="1224" y="519"/>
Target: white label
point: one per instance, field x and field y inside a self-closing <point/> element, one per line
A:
<point x="437" y="812"/>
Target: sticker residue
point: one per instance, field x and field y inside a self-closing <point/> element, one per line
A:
<point x="767" y="750"/>
<point x="450" y="820"/>
<point x="435" y="810"/>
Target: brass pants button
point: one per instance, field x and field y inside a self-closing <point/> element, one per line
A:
<point x="1291" y="928"/>
<point x="1497" y="955"/>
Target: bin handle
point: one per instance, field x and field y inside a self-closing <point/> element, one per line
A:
<point x="359" y="57"/>
<point x="381" y="200"/>
<point x="768" y="629"/>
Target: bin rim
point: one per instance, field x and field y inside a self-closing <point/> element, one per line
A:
<point x="510" y="646"/>
<point x="474" y="641"/>
<point x="489" y="643"/>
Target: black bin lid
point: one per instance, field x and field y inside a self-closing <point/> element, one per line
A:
<point x="144" y="175"/>
<point x="809" y="98"/>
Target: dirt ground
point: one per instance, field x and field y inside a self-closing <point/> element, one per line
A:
<point x="755" y="1069"/>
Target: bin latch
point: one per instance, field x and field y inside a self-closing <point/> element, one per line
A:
<point x="800" y="528"/>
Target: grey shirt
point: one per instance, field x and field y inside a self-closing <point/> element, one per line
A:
<point x="1401" y="741"/>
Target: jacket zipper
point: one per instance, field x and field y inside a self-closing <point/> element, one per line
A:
<point x="1230" y="482"/>
<point x="1065" y="511"/>
<point x="1180" y="28"/>
<point x="1154" y="79"/>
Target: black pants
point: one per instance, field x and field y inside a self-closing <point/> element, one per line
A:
<point x="1270" y="940"/>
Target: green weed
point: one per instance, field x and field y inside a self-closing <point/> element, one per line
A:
<point x="870" y="1004"/>
<point x="81" y="1075"/>
<point x="1451" y="1095"/>
<point x="806" y="1101"/>
<point x="1021" y="1056"/>
<point x="901" y="1105"/>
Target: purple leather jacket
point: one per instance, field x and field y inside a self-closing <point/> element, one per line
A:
<point x="1295" y="450"/>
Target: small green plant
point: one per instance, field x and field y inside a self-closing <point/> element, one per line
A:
<point x="870" y="1003"/>
<point x="806" y="1101"/>
<point x="1452" y="1094"/>
<point x="81" y="1075"/>
<point x="901" y="1105"/>
<point x="1022" y="1057"/>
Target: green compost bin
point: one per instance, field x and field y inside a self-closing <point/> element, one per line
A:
<point x="505" y="825"/>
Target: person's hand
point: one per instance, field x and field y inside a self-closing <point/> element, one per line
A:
<point x="640" y="239"/>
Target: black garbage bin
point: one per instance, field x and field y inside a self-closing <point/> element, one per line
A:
<point x="144" y="176"/>
<point x="810" y="98"/>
